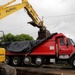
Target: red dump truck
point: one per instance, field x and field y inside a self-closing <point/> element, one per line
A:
<point x="53" y="49"/>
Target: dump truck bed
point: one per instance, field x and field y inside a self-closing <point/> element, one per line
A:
<point x="26" y="46"/>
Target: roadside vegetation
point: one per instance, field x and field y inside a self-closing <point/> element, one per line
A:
<point x="11" y="38"/>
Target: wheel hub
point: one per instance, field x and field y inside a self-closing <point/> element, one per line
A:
<point x="15" y="62"/>
<point x="26" y="61"/>
<point x="38" y="61"/>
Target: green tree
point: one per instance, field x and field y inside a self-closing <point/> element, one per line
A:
<point x="23" y="37"/>
<point x="11" y="38"/>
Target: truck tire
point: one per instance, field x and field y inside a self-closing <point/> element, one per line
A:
<point x="39" y="61"/>
<point x="7" y="60"/>
<point x="16" y="61"/>
<point x="7" y="70"/>
<point x="72" y="62"/>
<point x="27" y="60"/>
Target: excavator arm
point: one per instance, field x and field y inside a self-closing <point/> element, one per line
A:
<point x="6" y="10"/>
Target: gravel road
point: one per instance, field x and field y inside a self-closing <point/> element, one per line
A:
<point x="45" y="70"/>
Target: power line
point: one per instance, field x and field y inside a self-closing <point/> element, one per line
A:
<point x="60" y="15"/>
<point x="15" y="29"/>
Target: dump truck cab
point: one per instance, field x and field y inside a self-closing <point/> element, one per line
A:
<point x="65" y="47"/>
<point x="65" y="50"/>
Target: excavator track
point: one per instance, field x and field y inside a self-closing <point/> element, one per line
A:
<point x="7" y="70"/>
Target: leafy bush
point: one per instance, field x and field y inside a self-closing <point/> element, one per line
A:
<point x="11" y="38"/>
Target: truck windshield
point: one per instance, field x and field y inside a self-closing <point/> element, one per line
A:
<point x="72" y="42"/>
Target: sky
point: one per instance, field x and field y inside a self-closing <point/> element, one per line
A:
<point x="59" y="16"/>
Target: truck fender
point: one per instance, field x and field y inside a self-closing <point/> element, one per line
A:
<point x="72" y="54"/>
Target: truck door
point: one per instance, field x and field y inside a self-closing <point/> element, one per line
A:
<point x="64" y="46"/>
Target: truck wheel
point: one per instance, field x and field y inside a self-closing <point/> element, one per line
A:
<point x="72" y="62"/>
<point x="16" y="61"/>
<point x="38" y="61"/>
<point x="27" y="60"/>
<point x="7" y="60"/>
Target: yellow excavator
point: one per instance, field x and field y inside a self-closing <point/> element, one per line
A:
<point x="6" y="10"/>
